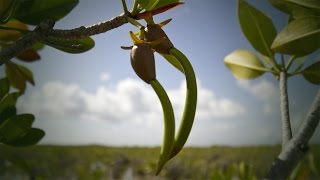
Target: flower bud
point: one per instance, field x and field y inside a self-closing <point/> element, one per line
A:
<point x="143" y="63"/>
<point x="154" y="32"/>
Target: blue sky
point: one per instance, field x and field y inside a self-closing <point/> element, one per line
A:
<point x="96" y="98"/>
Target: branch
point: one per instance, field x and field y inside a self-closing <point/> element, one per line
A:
<point x="45" y="30"/>
<point x="82" y="31"/>
<point x="297" y="147"/>
<point x="38" y="34"/>
<point x="284" y="105"/>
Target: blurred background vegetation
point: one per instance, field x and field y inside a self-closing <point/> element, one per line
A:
<point x="98" y="162"/>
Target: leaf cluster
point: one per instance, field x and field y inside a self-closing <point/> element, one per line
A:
<point x="298" y="39"/>
<point x="15" y="129"/>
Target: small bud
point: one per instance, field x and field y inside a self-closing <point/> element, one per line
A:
<point x="143" y="63"/>
<point x="154" y="32"/>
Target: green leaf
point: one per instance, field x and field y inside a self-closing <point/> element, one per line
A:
<point x="32" y="137"/>
<point x="7" y="9"/>
<point x="4" y="87"/>
<point x="298" y="8"/>
<point x="244" y="64"/>
<point x="163" y="3"/>
<point x="71" y="46"/>
<point x="16" y="127"/>
<point x="35" y="11"/>
<point x="312" y="73"/>
<point x="300" y="37"/>
<point x="257" y="27"/>
<point x="18" y="75"/>
<point x="153" y="4"/>
<point x="8" y="101"/>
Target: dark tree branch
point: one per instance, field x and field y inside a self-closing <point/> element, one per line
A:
<point x="297" y="147"/>
<point x="38" y="34"/>
<point x="82" y="31"/>
<point x="45" y="30"/>
<point x="284" y="105"/>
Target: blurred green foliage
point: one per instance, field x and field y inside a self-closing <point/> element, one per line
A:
<point x="98" y="162"/>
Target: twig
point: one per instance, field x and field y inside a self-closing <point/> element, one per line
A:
<point x="38" y="34"/>
<point x="297" y="147"/>
<point x="284" y="105"/>
<point x="82" y="31"/>
<point x="45" y="30"/>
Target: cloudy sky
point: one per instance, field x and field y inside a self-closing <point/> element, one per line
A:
<point x="96" y="98"/>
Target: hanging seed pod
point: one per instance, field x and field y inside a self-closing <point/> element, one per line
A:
<point x="154" y="32"/>
<point x="143" y="63"/>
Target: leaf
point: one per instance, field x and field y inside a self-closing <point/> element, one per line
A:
<point x="7" y="106"/>
<point x="244" y="64"/>
<point x="7" y="9"/>
<point x="150" y="5"/>
<point x="300" y="37"/>
<point x="29" y="55"/>
<point x="312" y="73"/>
<point x="4" y="87"/>
<point x="32" y="137"/>
<point x="16" y="127"/>
<point x="8" y="101"/>
<point x="18" y="75"/>
<point x="257" y="27"/>
<point x="71" y="46"/>
<point x="35" y="11"/>
<point x="11" y="35"/>
<point x="298" y="8"/>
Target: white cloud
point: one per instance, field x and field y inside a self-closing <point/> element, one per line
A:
<point x="263" y="90"/>
<point x="104" y="77"/>
<point x="128" y="110"/>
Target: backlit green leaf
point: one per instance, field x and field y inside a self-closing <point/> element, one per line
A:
<point x="32" y="137"/>
<point x="298" y="8"/>
<point x="18" y="75"/>
<point x="257" y="27"/>
<point x="71" y="46"/>
<point x="244" y="64"/>
<point x="312" y="73"/>
<point x="35" y="11"/>
<point x="153" y="4"/>
<point x="4" y="87"/>
<point x="300" y="37"/>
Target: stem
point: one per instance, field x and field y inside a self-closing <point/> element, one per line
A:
<point x="284" y="105"/>
<point x="134" y="10"/>
<point x="125" y="8"/>
<point x="190" y="104"/>
<point x="297" y="147"/>
<point x="292" y="58"/>
<point x="272" y="63"/>
<point x="169" y="124"/>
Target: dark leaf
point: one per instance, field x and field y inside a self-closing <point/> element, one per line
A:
<point x="8" y="101"/>
<point x="29" y="55"/>
<point x="257" y="27"/>
<point x="4" y="87"/>
<point x="71" y="46"/>
<point x="31" y="138"/>
<point x="18" y="75"/>
<point x="16" y="127"/>
<point x="300" y="37"/>
<point x="35" y="11"/>
<point x="7" y="9"/>
<point x="312" y="73"/>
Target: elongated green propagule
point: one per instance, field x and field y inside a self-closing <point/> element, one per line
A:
<point x="169" y="125"/>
